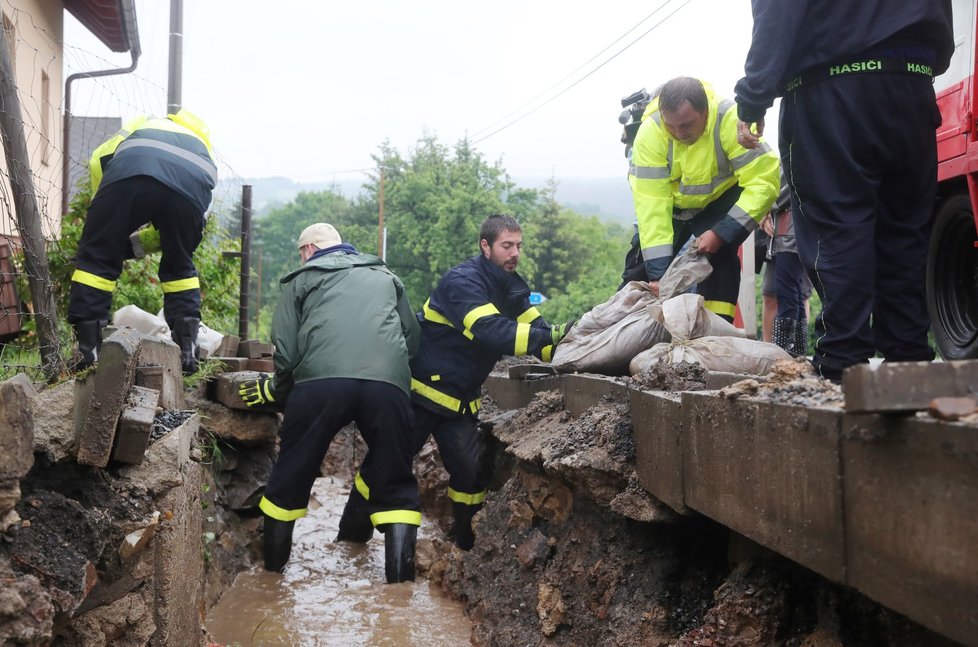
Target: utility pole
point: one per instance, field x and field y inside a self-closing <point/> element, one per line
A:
<point x="380" y="220"/>
<point x="174" y="87"/>
<point x="28" y="217"/>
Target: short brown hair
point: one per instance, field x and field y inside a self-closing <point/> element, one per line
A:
<point x="681" y="89"/>
<point x="496" y="224"/>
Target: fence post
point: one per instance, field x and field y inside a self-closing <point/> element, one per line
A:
<point x="28" y="218"/>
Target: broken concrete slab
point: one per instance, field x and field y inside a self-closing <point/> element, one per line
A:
<point x="906" y="386"/>
<point x="114" y="374"/>
<point x="135" y="425"/>
<point x="911" y="516"/>
<point x="249" y="428"/>
<point x="161" y="468"/>
<point x="54" y="422"/>
<point x="771" y="472"/>
<point x="167" y="376"/>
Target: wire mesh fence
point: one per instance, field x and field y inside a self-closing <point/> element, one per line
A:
<point x="50" y="170"/>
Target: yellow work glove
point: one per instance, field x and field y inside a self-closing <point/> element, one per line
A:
<point x="257" y="392"/>
<point x="559" y="331"/>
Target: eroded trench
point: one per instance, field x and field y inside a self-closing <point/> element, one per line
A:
<point x="570" y="550"/>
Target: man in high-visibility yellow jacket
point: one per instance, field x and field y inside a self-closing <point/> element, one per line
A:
<point x="690" y="177"/>
<point x="158" y="171"/>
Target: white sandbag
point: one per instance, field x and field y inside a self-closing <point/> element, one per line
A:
<point x="728" y="354"/>
<point x="607" y="337"/>
<point x="685" y="317"/>
<point x="146" y="323"/>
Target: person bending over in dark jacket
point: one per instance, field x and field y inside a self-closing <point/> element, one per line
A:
<point x="344" y="333"/>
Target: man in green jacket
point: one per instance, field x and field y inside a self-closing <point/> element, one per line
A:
<point x="344" y="333"/>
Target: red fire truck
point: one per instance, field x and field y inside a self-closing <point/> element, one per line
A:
<point x="952" y="260"/>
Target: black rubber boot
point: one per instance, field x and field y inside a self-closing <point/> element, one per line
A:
<point x="801" y="337"/>
<point x="355" y="524"/>
<point x="784" y="335"/>
<point x="277" y="543"/>
<point x="399" y="543"/>
<point x="185" y="335"/>
<point x="464" y="538"/>
<point x="89" y="335"/>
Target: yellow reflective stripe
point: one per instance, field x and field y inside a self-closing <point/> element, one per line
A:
<point x="474" y="315"/>
<point x="522" y="339"/>
<point x="362" y="486"/>
<point x="181" y="285"/>
<point x="721" y="307"/>
<point x="436" y="396"/>
<point x="475" y="405"/>
<point x="547" y="353"/>
<point x="91" y="280"/>
<point x="435" y="378"/>
<point x="430" y="314"/>
<point x="396" y="516"/>
<point x="528" y="315"/>
<point x="281" y="514"/>
<point x="467" y="499"/>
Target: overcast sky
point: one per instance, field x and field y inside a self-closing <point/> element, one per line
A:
<point x="307" y="89"/>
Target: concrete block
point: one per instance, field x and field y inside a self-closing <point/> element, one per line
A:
<point x="231" y="364"/>
<point x="771" y="472"/>
<point x="262" y="365"/>
<point x="135" y="425"/>
<point x="165" y="460"/>
<point x="115" y="373"/>
<point x="906" y="386"/>
<point x="911" y="514"/>
<point x="254" y="349"/>
<point x="164" y="354"/>
<point x="510" y="393"/>
<point x="228" y="346"/>
<point x="16" y="430"/>
<point x="657" y="425"/>
<point x="581" y="392"/>
<point x="226" y="390"/>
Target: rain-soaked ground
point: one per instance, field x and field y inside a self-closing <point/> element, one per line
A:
<point x="334" y="594"/>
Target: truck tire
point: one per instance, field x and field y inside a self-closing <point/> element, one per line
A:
<point x="952" y="279"/>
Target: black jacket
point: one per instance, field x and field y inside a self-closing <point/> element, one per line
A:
<point x="792" y="37"/>
<point x="476" y="314"/>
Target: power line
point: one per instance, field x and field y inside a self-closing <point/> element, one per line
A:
<point x="565" y="90"/>
<point x="572" y="73"/>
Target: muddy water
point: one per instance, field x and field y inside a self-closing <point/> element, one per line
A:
<point x="334" y="594"/>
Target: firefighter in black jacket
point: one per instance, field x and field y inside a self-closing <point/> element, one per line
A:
<point x="158" y="171"/>
<point x="479" y="312"/>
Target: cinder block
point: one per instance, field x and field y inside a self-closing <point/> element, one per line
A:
<point x="226" y="390"/>
<point x="581" y="392"/>
<point x="911" y="514"/>
<point x="135" y="425"/>
<point x="232" y="364"/>
<point x="162" y="353"/>
<point x="657" y="425"/>
<point x="771" y="472"/>
<point x="905" y="386"/>
<point x="115" y="373"/>
<point x="254" y="349"/>
<point x="262" y="365"/>
<point x="510" y="393"/>
<point x="228" y="346"/>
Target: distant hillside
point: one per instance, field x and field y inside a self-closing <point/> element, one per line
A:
<point x="608" y="198"/>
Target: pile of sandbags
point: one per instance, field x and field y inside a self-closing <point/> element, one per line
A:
<point x="608" y="337"/>
<point x="699" y="336"/>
